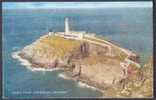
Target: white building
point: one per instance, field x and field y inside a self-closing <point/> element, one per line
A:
<point x="72" y="34"/>
<point x="66" y="26"/>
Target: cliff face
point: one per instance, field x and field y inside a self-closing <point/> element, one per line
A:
<point x="49" y="52"/>
<point x="83" y="61"/>
<point x="147" y="88"/>
<point x="137" y="84"/>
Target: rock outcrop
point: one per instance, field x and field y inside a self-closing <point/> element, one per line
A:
<point x="86" y="62"/>
<point x="139" y="83"/>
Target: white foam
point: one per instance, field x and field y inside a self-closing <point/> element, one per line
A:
<point x="15" y="55"/>
<point x="28" y="65"/>
<point x="84" y="85"/>
<point x="62" y="75"/>
<point x="43" y="69"/>
<point x="23" y="61"/>
<point x="79" y="84"/>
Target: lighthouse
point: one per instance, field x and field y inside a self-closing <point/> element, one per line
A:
<point x="66" y="26"/>
<point x="68" y="34"/>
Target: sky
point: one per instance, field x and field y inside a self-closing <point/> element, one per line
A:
<point x="37" y="5"/>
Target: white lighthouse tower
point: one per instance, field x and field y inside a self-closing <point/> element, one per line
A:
<point x="66" y="26"/>
<point x="71" y="34"/>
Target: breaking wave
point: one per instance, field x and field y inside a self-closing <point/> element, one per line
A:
<point x="84" y="85"/>
<point x="28" y="65"/>
<point x="62" y="75"/>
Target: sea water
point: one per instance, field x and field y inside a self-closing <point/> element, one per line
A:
<point x="130" y="28"/>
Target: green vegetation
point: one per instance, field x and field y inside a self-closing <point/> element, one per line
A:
<point x="122" y="56"/>
<point x="55" y="46"/>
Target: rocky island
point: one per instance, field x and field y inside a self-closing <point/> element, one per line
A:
<point x="84" y="57"/>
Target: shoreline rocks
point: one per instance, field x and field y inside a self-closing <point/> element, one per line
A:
<point x="86" y="62"/>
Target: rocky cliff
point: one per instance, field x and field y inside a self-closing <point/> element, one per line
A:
<point x="138" y="84"/>
<point x="83" y="61"/>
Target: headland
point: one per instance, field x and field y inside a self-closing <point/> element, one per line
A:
<point x="87" y="58"/>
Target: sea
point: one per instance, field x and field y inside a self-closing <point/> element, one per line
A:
<point x="130" y="28"/>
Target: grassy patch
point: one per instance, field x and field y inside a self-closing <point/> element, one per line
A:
<point x="55" y="46"/>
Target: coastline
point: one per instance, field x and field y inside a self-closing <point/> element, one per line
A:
<point x="80" y="82"/>
<point x="64" y="75"/>
<point x="28" y="65"/>
<point x="80" y="71"/>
